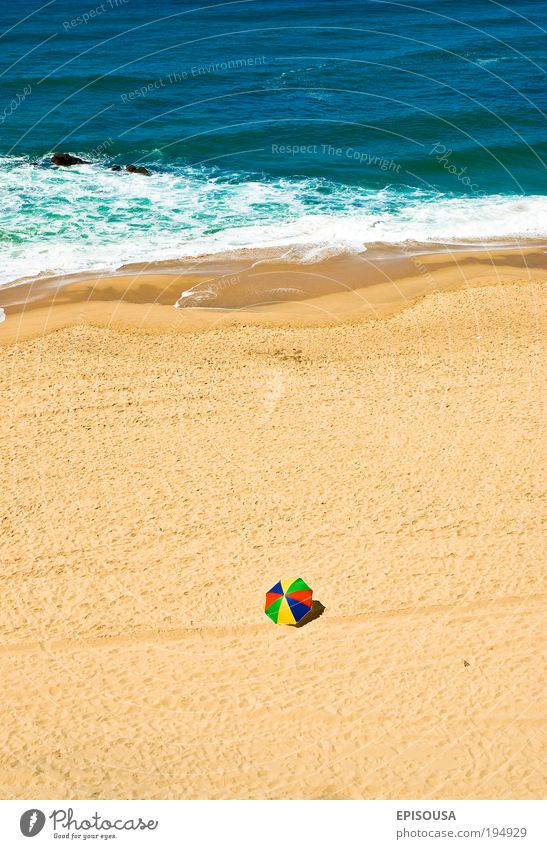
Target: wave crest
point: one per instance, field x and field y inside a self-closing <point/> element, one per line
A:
<point x="57" y="221"/>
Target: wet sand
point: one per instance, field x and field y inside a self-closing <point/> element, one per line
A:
<point x="257" y="288"/>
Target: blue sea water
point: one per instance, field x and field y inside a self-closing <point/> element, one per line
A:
<point x="328" y="124"/>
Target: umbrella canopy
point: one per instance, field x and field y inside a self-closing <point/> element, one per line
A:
<point x="288" y="601"/>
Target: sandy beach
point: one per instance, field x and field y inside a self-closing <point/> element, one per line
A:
<point x="163" y="468"/>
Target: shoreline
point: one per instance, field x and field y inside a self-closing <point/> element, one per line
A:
<point x="257" y="288"/>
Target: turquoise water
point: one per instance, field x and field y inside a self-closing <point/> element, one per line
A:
<point x="324" y="125"/>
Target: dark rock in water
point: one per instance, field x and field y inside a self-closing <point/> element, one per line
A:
<point x="140" y="170"/>
<point x="66" y="159"/>
<point x="116" y="168"/>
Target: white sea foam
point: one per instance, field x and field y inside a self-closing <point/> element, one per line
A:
<point x="56" y="221"/>
<point x="486" y="62"/>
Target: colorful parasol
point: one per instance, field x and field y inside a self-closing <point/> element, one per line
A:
<point x="288" y="601"/>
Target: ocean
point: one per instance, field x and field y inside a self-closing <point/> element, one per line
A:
<point x="327" y="126"/>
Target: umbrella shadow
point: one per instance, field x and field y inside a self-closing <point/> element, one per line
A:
<point x="317" y="610"/>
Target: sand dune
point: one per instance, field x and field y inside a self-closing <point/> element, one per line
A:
<point x="156" y="484"/>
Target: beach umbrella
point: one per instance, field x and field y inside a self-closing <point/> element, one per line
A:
<point x="288" y="601"/>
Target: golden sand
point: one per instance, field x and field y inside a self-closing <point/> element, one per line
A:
<point x="155" y="483"/>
